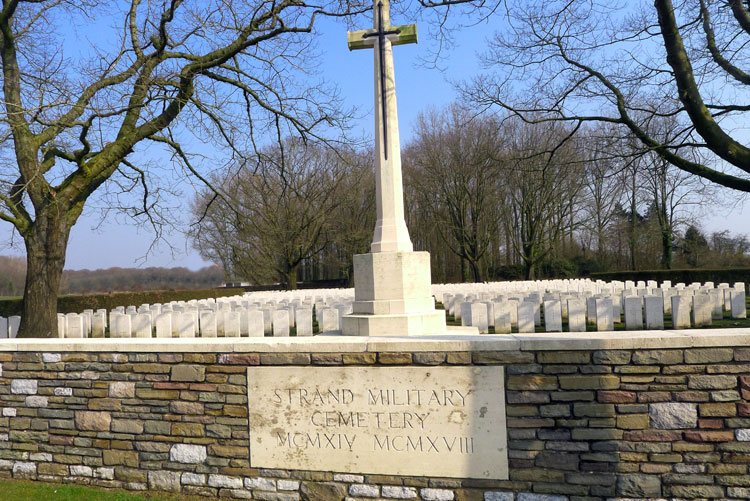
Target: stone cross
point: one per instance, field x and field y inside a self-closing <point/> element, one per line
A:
<point x="391" y="234"/>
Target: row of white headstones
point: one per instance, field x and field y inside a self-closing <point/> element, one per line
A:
<point x="641" y="305"/>
<point x="505" y="306"/>
<point x="236" y="316"/>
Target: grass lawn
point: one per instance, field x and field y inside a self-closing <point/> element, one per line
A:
<point x="20" y="490"/>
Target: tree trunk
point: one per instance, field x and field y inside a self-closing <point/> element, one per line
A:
<point x="666" y="250"/>
<point x="529" y="261"/>
<point x="508" y="247"/>
<point x="632" y="239"/>
<point x="291" y="278"/>
<point x="475" y="272"/>
<point x="46" y="246"/>
<point x="528" y="270"/>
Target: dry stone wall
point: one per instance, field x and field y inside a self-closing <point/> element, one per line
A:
<point x="582" y="423"/>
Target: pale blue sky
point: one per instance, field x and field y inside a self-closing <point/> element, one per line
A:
<point x="118" y="243"/>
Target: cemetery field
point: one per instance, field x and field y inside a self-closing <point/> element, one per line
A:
<point x="726" y="322"/>
<point x="18" y="490"/>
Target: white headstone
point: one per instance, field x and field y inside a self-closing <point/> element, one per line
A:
<point x="739" y="308"/>
<point x="455" y="308"/>
<point x="681" y="312"/>
<point x="74" y="325"/>
<point x="14" y="323"/>
<point x="142" y="325"/>
<point x="119" y="325"/>
<point x="717" y="304"/>
<point x="667" y="295"/>
<point x="513" y="306"/>
<point x="99" y="323"/>
<point x="343" y="309"/>
<point x="604" y="319"/>
<point x="292" y="315"/>
<point x="207" y="319"/>
<point x="475" y="314"/>
<point x="244" y="322"/>
<point x="616" y="310"/>
<point x="576" y="315"/>
<point x="231" y="323"/>
<point x="537" y="304"/>
<point x="591" y="310"/>
<point x="87" y="321"/>
<point x="653" y="307"/>
<point x="552" y="315"/>
<point x="526" y="316"/>
<point x="61" y="322"/>
<point x="328" y="321"/>
<point x="633" y="313"/>
<point x="268" y="319"/>
<point x="164" y="324"/>
<point x="702" y="310"/>
<point x="185" y="324"/>
<point x="502" y="317"/>
<point x="727" y="298"/>
<point x="255" y="323"/>
<point x="304" y="321"/>
<point x="280" y="323"/>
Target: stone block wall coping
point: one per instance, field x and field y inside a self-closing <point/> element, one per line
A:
<point x="452" y="341"/>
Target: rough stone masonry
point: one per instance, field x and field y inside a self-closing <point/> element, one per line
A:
<point x="583" y="424"/>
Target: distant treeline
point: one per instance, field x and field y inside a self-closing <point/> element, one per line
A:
<point x="13" y="273"/>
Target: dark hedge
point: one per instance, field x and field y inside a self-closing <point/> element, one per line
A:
<point x="78" y="303"/>
<point x="729" y="276"/>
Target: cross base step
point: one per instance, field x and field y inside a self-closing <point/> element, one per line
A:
<point x="406" y="324"/>
<point x="393" y="296"/>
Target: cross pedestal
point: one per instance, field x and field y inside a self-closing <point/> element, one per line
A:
<point x="392" y="285"/>
<point x="392" y="296"/>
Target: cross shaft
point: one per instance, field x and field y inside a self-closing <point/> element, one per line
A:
<point x="381" y="34"/>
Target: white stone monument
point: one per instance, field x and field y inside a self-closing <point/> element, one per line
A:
<point x="502" y="317"/>
<point x="552" y="315"/>
<point x="653" y="307"/>
<point x="164" y="324"/>
<point x="4" y="327"/>
<point x="392" y="284"/>
<point x="232" y="324"/>
<point x="577" y="315"/>
<point x="255" y="326"/>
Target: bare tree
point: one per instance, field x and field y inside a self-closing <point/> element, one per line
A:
<point x="541" y="186"/>
<point x="452" y="167"/>
<point x="603" y="188"/>
<point x="673" y="196"/>
<point x="625" y="63"/>
<point x="218" y="70"/>
<point x="278" y="212"/>
<point x="353" y="218"/>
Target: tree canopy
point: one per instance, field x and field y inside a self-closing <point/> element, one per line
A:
<point x="229" y="73"/>
<point x="630" y="63"/>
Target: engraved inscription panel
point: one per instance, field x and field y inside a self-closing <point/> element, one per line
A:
<point x="436" y="421"/>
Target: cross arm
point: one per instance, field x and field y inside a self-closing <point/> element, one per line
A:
<point x="407" y="34"/>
